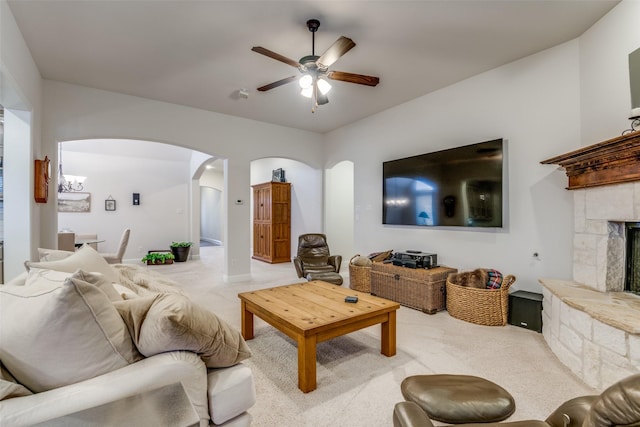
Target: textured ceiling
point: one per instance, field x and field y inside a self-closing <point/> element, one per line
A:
<point x="198" y="53"/>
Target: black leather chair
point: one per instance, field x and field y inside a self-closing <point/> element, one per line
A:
<point x="619" y="405"/>
<point x="314" y="260"/>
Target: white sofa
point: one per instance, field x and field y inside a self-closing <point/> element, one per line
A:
<point x="220" y="396"/>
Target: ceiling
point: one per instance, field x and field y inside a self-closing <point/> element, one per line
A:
<point x="198" y="53"/>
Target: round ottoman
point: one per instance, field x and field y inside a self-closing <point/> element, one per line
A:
<point x="458" y="399"/>
<point x="325" y="276"/>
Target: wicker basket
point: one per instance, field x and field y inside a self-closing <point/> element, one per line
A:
<point x="482" y="306"/>
<point x="359" y="277"/>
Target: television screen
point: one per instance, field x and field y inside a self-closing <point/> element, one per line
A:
<point x="460" y="187"/>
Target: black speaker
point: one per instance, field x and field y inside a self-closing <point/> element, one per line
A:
<point x="525" y="310"/>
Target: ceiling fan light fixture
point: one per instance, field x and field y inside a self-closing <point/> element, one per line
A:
<point x="323" y="86"/>
<point x="307" y="92"/>
<point x="305" y="81"/>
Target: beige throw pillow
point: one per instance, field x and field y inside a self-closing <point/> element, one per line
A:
<point x="9" y="387"/>
<point x="58" y="334"/>
<point x="53" y="277"/>
<point x="168" y="322"/>
<point x="53" y="254"/>
<point x="86" y="259"/>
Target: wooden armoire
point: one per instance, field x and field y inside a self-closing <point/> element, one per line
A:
<point x="272" y="222"/>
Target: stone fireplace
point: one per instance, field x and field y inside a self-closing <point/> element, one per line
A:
<point x="590" y="323"/>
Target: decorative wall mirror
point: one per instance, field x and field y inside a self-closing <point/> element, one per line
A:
<point x="42" y="173"/>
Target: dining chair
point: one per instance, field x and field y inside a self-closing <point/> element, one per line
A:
<point x="116" y="257"/>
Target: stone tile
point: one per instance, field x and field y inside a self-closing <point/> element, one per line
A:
<point x="585" y="242"/>
<point x="571" y="340"/>
<point x="585" y="274"/>
<point x="582" y="323"/>
<point x="611" y="374"/>
<point x="596" y="226"/>
<point x="591" y="364"/>
<point x="611" y="202"/>
<point x="579" y="211"/>
<point x="610" y="338"/>
<point x="570" y="359"/>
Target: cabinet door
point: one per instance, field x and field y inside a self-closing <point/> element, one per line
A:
<point x="262" y="241"/>
<point x="262" y="204"/>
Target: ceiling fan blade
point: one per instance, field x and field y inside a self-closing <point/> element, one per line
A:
<point x="360" y="79"/>
<point x="335" y="51"/>
<point x="276" y="56"/>
<point x="278" y="83"/>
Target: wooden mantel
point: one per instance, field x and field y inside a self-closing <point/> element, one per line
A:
<point x="609" y="162"/>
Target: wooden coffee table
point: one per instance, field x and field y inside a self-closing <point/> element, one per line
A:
<point x="316" y="311"/>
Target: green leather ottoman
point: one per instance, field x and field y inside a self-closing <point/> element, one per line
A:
<point x="459" y="399"/>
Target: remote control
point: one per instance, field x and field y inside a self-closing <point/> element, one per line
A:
<point x="352" y="299"/>
<point x="410" y="251"/>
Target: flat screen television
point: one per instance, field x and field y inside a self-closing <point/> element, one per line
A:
<point x="457" y="187"/>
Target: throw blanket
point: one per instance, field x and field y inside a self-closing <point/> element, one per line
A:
<point x="144" y="281"/>
<point x="495" y="279"/>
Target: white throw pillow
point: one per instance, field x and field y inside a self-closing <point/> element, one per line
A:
<point x="53" y="254"/>
<point x="53" y="277"/>
<point x="86" y="259"/>
<point x="58" y="334"/>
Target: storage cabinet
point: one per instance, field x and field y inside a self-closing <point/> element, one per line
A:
<point x="272" y="222"/>
<point x="419" y="288"/>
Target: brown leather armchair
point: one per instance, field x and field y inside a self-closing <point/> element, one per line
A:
<point x="619" y="405"/>
<point x="314" y="257"/>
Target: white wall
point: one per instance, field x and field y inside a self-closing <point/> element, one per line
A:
<point x="20" y="93"/>
<point x="339" y="224"/>
<point x="605" y="92"/>
<point x="161" y="217"/>
<point x="306" y="194"/>
<point x="75" y="113"/>
<point x="534" y="104"/>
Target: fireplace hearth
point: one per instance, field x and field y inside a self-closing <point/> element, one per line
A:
<point x="592" y="323"/>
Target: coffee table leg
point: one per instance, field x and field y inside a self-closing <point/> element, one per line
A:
<point x="247" y="321"/>
<point x="389" y="335"/>
<point x="307" y="363"/>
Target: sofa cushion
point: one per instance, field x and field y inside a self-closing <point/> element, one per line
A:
<point x="9" y="387"/>
<point x="167" y="322"/>
<point x="58" y="334"/>
<point x="86" y="258"/>
<point x="231" y="391"/>
<point x="53" y="277"/>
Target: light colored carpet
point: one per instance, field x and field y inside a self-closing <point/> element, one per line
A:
<point x="358" y="386"/>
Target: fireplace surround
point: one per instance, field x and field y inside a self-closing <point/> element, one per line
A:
<point x="591" y="323"/>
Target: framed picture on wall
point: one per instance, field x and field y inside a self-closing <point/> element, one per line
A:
<point x="110" y="205"/>
<point x="277" y="175"/>
<point x="76" y="202"/>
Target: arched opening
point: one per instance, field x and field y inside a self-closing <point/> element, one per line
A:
<point x="151" y="188"/>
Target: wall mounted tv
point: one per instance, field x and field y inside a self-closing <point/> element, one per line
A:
<point x="458" y="187"/>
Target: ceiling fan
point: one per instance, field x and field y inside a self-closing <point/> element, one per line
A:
<point x="315" y="69"/>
